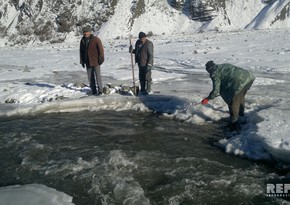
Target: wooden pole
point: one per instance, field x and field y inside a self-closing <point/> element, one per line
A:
<point x="132" y="63"/>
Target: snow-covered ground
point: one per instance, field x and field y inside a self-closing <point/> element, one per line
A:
<point x="33" y="194"/>
<point x="48" y="78"/>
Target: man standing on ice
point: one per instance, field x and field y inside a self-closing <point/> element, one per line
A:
<point x="92" y="56"/>
<point x="232" y="84"/>
<point x="144" y="57"/>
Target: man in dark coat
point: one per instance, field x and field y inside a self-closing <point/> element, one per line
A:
<point x="144" y="58"/>
<point x="92" y="56"/>
<point x="232" y="84"/>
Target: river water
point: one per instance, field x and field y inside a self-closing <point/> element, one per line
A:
<point x="110" y="157"/>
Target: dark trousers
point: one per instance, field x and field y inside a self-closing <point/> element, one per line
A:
<point x="145" y="79"/>
<point x="237" y="105"/>
<point x="94" y="77"/>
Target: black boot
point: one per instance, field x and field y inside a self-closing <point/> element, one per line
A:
<point x="234" y="126"/>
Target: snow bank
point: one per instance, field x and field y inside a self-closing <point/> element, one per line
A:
<point x="33" y="194"/>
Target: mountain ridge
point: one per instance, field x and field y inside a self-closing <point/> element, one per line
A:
<point x="28" y="22"/>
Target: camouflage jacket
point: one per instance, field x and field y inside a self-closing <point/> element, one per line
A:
<point x="228" y="80"/>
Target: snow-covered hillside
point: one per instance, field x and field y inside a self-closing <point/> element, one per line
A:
<point x="23" y="22"/>
<point x="158" y="18"/>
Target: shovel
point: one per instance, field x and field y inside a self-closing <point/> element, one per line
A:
<point x="135" y="89"/>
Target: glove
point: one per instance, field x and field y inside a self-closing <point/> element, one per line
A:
<point x="130" y="49"/>
<point x="83" y="65"/>
<point x="204" y="101"/>
<point x="149" y="67"/>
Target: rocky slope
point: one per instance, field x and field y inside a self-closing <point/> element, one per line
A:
<point x="29" y="21"/>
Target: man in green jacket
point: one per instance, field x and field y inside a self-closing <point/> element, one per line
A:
<point x="232" y="84"/>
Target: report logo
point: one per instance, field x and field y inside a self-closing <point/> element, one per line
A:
<point x="278" y="190"/>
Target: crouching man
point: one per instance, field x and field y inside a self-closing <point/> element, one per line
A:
<point x="232" y="84"/>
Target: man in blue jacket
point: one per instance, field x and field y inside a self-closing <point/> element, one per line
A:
<point x="232" y="84"/>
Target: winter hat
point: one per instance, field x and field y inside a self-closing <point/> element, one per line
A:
<point x="142" y="34"/>
<point x="87" y="29"/>
<point x="209" y="65"/>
